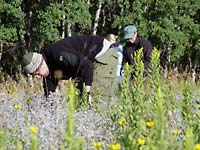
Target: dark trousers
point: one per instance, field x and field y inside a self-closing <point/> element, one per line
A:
<point x="49" y="85"/>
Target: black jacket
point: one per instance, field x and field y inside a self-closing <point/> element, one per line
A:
<point x="74" y="56"/>
<point x="130" y="48"/>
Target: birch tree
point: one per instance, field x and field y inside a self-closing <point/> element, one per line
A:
<point x="96" y="20"/>
<point x="63" y="22"/>
<point x="76" y="15"/>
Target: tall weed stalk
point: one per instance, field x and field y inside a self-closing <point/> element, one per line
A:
<point x="191" y="117"/>
<point x="188" y="141"/>
<point x="34" y="142"/>
<point x="131" y="102"/>
<point x="187" y="103"/>
<point x="157" y="138"/>
<point x="2" y="139"/>
<point x="70" y="141"/>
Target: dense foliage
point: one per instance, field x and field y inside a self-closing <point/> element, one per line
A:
<point x="172" y="26"/>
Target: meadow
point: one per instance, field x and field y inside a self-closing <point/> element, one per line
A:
<point x="147" y="113"/>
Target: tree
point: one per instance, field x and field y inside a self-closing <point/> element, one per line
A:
<point x="169" y="25"/>
<point x="77" y="16"/>
<point x="11" y="34"/>
<point x="30" y="25"/>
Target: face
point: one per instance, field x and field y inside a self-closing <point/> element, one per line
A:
<point x="112" y="40"/>
<point x="42" y="71"/>
<point x="132" y="40"/>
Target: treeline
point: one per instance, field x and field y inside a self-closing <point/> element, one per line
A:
<point x="172" y="26"/>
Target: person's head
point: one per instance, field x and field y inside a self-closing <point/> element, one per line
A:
<point x="34" y="63"/>
<point x="130" y="33"/>
<point x="111" y="37"/>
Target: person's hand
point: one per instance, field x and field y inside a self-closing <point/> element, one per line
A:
<point x="122" y="72"/>
<point x="58" y="74"/>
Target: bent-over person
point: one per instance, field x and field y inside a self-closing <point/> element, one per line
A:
<point x="71" y="57"/>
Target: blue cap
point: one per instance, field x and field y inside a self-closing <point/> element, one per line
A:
<point x="129" y="31"/>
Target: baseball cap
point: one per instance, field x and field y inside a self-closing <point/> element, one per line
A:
<point x="31" y="61"/>
<point x="129" y="31"/>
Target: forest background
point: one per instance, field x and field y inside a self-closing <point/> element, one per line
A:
<point x="172" y="26"/>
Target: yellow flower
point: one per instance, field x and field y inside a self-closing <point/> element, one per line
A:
<point x="169" y="78"/>
<point x="33" y="129"/>
<point x="176" y="132"/>
<point x="140" y="141"/>
<point x="149" y="124"/>
<point x="121" y="122"/>
<point x="17" y="106"/>
<point x="97" y="144"/>
<point x="197" y="147"/>
<point x="115" y="147"/>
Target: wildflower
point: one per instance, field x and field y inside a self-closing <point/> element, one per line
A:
<point x="97" y="144"/>
<point x="169" y="78"/>
<point x="197" y="147"/>
<point x="115" y="147"/>
<point x="17" y="106"/>
<point x="33" y="129"/>
<point x="149" y="124"/>
<point x="121" y="122"/>
<point x="176" y="132"/>
<point x="140" y="141"/>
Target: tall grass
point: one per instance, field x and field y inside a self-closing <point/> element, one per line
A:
<point x="151" y="113"/>
<point x="2" y="139"/>
<point x="69" y="140"/>
<point x="150" y="109"/>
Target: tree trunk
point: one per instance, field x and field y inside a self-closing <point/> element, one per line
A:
<point x="41" y="44"/>
<point x="165" y="71"/>
<point x="104" y="19"/>
<point x="88" y="2"/>
<point x="194" y="74"/>
<point x="29" y="37"/>
<point x="69" y="31"/>
<point x="27" y="21"/>
<point x="63" y="23"/>
<point x="97" y="18"/>
<point x="120" y="26"/>
<point x="1" y="50"/>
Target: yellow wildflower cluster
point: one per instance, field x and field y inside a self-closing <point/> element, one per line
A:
<point x="121" y="122"/>
<point x="140" y="141"/>
<point x="115" y="147"/>
<point x="33" y="129"/>
<point x="169" y="78"/>
<point x="17" y="106"/>
<point x="197" y="147"/>
<point x="97" y="144"/>
<point x="176" y="132"/>
<point x="149" y="124"/>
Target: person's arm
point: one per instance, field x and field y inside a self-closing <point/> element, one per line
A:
<point x="147" y="54"/>
<point x="127" y="56"/>
<point x="147" y="58"/>
<point x="87" y="74"/>
<point x="49" y="85"/>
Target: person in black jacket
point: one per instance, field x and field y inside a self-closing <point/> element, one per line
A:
<point x="133" y="44"/>
<point x="71" y="57"/>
